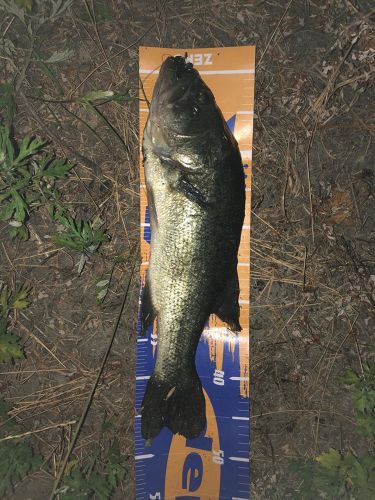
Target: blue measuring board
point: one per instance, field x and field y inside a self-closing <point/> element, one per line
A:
<point x="215" y="465"/>
<point x="225" y="442"/>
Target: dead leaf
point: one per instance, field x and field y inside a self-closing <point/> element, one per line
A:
<point x="338" y="209"/>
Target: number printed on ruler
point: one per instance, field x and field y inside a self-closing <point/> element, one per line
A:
<point x="157" y="496"/>
<point x="218" y="457"/>
<point x="219" y="377"/>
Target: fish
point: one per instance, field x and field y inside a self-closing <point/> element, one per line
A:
<point x="195" y="187"/>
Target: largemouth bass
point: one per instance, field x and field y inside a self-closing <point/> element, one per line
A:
<point x="196" y="197"/>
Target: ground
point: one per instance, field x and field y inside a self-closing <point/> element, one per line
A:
<point x="313" y="227"/>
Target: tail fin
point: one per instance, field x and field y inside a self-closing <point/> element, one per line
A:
<point x="181" y="407"/>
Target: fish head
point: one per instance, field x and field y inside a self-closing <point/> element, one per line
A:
<point x="183" y="110"/>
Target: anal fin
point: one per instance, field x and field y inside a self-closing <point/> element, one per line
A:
<point x="227" y="307"/>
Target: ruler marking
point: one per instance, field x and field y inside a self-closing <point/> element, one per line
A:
<point x="239" y="459"/>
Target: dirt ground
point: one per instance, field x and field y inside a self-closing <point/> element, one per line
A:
<point x="313" y="226"/>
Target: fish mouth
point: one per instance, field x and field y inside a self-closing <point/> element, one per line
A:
<point x="176" y="74"/>
<point x="176" y="68"/>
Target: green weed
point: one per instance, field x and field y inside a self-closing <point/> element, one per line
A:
<point x="34" y="13"/>
<point x="98" y="478"/>
<point x="80" y="235"/>
<point x="335" y="474"/>
<point x="17" y="460"/>
<point x="27" y="179"/>
<point x="104" y="282"/>
<point x="364" y="398"/>
<point x="10" y="301"/>
<point x="102" y="287"/>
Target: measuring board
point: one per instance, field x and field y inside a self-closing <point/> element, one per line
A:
<point x="215" y="465"/>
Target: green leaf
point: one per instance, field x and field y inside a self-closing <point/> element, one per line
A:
<point x="7" y="211"/>
<point x="20" y="232"/>
<point x="9" y="348"/>
<point x="29" y="147"/>
<point x="81" y="263"/>
<point x="100" y="486"/>
<point x="59" y="56"/>
<point x="17" y="460"/>
<point x="66" y="240"/>
<point x="366" y="425"/>
<point x="12" y="8"/>
<point x="9" y="149"/>
<point x="97" y="95"/>
<point x="100" y="296"/>
<point x="19" y="299"/>
<point x="59" y="7"/>
<point x="100" y="482"/>
<point x="57" y="169"/>
<point x="361" y="402"/>
<point x="350" y="378"/>
<point x="102" y="283"/>
<point x="75" y="485"/>
<point x="102" y="287"/>
<point x="329" y="459"/>
<point x="80" y="234"/>
<point x="20" y="205"/>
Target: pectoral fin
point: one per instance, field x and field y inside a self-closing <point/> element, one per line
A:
<point x="228" y="309"/>
<point x="152" y="209"/>
<point x="190" y="191"/>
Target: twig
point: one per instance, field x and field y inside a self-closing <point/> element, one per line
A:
<point x="38" y="341"/>
<point x="7" y="27"/>
<point x="309" y="181"/>
<point x="324" y="95"/>
<point x="304" y="271"/>
<point x="37" y="431"/>
<point x="93" y="20"/>
<point x="357" y="348"/>
<point x="353" y="194"/>
<point x="302" y="410"/>
<point x="274" y="32"/>
<point x="94" y="387"/>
